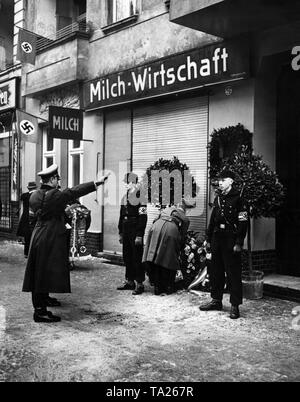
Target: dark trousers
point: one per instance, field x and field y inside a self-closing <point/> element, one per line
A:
<point x="163" y="278"/>
<point x="39" y="300"/>
<point x="224" y="259"/>
<point x="132" y="254"/>
<point x="27" y="238"/>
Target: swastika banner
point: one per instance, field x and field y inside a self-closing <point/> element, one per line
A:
<point x="26" y="46"/>
<point x="27" y="126"/>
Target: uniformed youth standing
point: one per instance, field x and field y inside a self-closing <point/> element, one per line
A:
<point x="47" y="269"/>
<point x="225" y="235"/>
<point x="132" y="224"/>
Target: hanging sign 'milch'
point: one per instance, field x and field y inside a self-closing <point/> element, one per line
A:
<point x="65" y="123"/>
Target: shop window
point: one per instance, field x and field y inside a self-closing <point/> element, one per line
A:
<point x="76" y="144"/>
<point x="50" y="144"/>
<point x="6" y="34"/>
<point x="49" y="161"/>
<point x="49" y="152"/>
<point x="5" y="180"/>
<point x="119" y="10"/>
<point x="4" y="149"/>
<point x="75" y="163"/>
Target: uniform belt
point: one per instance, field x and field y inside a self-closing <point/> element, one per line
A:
<point x="224" y="227"/>
<point x="129" y="218"/>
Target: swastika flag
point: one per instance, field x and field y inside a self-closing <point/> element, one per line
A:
<point x="26" y="51"/>
<point x="27" y="126"/>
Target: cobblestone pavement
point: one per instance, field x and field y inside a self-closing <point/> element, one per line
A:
<point x="109" y="335"/>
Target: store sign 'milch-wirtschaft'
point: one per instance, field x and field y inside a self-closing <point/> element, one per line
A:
<point x="65" y="123"/>
<point x="7" y="95"/>
<point x="225" y="61"/>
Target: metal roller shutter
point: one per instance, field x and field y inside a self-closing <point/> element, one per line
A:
<point x="177" y="128"/>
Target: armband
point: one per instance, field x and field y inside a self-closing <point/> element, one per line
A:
<point x="143" y="211"/>
<point x="243" y="216"/>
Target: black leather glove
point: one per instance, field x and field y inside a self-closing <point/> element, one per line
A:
<point x="102" y="180"/>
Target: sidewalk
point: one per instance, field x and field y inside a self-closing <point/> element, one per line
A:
<point x="106" y="335"/>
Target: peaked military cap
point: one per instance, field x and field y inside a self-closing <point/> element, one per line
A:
<point x="227" y="174"/>
<point x="49" y="171"/>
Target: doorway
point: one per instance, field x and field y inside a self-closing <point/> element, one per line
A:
<point x="288" y="169"/>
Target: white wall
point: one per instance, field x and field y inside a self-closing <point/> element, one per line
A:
<point x="241" y="107"/>
<point x="231" y="110"/>
<point x="93" y="130"/>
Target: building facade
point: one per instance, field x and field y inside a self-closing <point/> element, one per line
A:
<point x="10" y="98"/>
<point x="154" y="79"/>
<point x="273" y="34"/>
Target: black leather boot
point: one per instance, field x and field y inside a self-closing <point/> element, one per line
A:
<point x="157" y="290"/>
<point x="139" y="289"/>
<point x="234" y="312"/>
<point x="52" y="302"/>
<point x="212" y="305"/>
<point x="42" y="315"/>
<point x="128" y="285"/>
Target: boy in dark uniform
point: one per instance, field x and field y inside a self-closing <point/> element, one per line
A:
<point x="225" y="235"/>
<point x="132" y="224"/>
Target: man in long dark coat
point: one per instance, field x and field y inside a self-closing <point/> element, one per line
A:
<point x="47" y="269"/>
<point x="26" y="224"/>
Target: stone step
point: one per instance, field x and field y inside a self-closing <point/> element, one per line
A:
<point x="282" y="286"/>
<point x="275" y="285"/>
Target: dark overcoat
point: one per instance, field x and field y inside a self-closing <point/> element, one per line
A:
<point x="23" y="227"/>
<point x="166" y="238"/>
<point x="47" y="269"/>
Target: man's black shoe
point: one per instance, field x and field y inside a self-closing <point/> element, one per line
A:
<point x="138" y="290"/>
<point x="45" y="316"/>
<point x="71" y="266"/>
<point x="52" y="302"/>
<point x="127" y="286"/>
<point x="157" y="290"/>
<point x="212" y="305"/>
<point x="170" y="290"/>
<point x="234" y="312"/>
